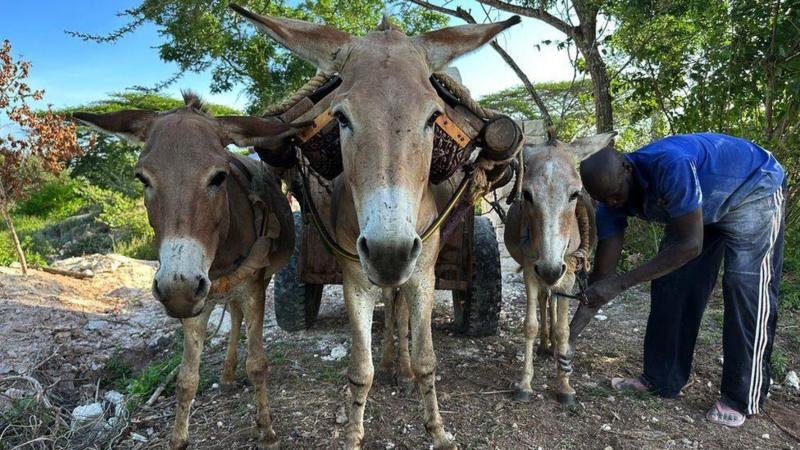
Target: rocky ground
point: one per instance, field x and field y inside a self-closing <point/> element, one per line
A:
<point x="65" y="332"/>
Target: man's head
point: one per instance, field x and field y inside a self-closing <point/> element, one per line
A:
<point x="608" y="177"/>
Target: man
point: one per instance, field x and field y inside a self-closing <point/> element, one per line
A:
<point x="721" y="198"/>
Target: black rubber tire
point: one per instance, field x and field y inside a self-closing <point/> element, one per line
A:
<point x="476" y="312"/>
<point x="296" y="303"/>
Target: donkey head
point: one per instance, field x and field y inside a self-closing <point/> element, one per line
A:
<point x="386" y="108"/>
<point x="550" y="189"/>
<point x="185" y="170"/>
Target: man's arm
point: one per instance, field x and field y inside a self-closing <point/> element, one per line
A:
<point x="686" y="243"/>
<point x="607" y="257"/>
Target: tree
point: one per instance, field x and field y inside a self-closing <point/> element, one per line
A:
<point x="43" y="142"/>
<point x="205" y="35"/>
<point x="587" y="35"/>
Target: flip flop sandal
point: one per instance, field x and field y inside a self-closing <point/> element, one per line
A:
<point x="724" y="415"/>
<point x="628" y="384"/>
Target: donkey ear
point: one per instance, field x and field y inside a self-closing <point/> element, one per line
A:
<point x="587" y="146"/>
<point x="321" y="45"/>
<point x="447" y="44"/>
<point x="247" y="131"/>
<point x="131" y="125"/>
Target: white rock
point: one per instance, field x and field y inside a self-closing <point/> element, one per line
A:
<point x="213" y="320"/>
<point x="600" y="317"/>
<point x="86" y="414"/>
<point x="15" y="393"/>
<point x="215" y="386"/>
<point x="15" y="265"/>
<point x="341" y="416"/>
<point x="606" y="427"/>
<point x="608" y="448"/>
<point x="688" y="419"/>
<point x="337" y="353"/>
<point x="114" y="397"/>
<point x="792" y="381"/>
<point x="765" y="436"/>
<point x="138" y="437"/>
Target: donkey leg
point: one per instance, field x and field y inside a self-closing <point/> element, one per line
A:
<point x="564" y="392"/>
<point x="419" y="295"/>
<point x="360" y="299"/>
<point x="405" y="373"/>
<point x="531" y="328"/>
<point x="385" y="373"/>
<point x="228" y="378"/>
<point x="552" y="308"/>
<point x="194" y="334"/>
<point x="257" y="366"/>
<point x="545" y="347"/>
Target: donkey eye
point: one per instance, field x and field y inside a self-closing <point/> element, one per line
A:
<point x="142" y="179"/>
<point x="344" y="122"/>
<point x="574" y="196"/>
<point x="432" y="119"/>
<point x="218" y="179"/>
<point x="527" y="196"/>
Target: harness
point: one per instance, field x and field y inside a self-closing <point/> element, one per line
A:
<point x="266" y="227"/>
<point x="464" y="126"/>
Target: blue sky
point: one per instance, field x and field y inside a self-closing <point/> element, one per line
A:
<point x="76" y="72"/>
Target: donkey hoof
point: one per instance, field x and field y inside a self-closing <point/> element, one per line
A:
<point x="522" y="395"/>
<point x="565" y="399"/>
<point x="446" y="446"/>
<point x="384" y="377"/>
<point x="406" y="386"/>
<point x="268" y="440"/>
<point x="227" y="387"/>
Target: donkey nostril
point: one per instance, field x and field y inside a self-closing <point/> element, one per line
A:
<point x="563" y="269"/>
<point x="362" y="247"/>
<point x="536" y="269"/>
<point x="156" y="291"/>
<point x="416" y="248"/>
<point x="201" y="287"/>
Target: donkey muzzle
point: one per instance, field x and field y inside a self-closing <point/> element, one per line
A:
<point x="389" y="262"/>
<point x="550" y="273"/>
<point x="181" y="283"/>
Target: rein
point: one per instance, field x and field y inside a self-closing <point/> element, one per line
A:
<point x="338" y="249"/>
<point x="258" y="254"/>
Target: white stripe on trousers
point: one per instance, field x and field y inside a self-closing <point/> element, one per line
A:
<point x="762" y="320"/>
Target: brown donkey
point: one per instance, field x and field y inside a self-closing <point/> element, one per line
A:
<point x="209" y="229"/>
<point x="541" y="235"/>
<point x="386" y="108"/>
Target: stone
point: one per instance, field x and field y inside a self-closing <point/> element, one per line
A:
<point x="138" y="437"/>
<point x="15" y="265"/>
<point x="341" y="416"/>
<point x="96" y="325"/>
<point x="600" y="317"/>
<point x="118" y="400"/>
<point x="606" y="427"/>
<point x="15" y="393"/>
<point x="338" y="352"/>
<point x="792" y="380"/>
<point x="86" y="414"/>
<point x="687" y="419"/>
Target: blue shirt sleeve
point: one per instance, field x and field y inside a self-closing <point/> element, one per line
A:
<point x="610" y="221"/>
<point x="678" y="188"/>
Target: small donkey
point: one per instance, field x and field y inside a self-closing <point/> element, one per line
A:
<point x="541" y="234"/>
<point x="211" y="233"/>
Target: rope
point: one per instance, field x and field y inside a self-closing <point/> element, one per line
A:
<point x="464" y="96"/>
<point x="306" y="90"/>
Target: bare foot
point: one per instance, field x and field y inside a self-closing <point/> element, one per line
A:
<point x="628" y="384"/>
<point x="722" y="414"/>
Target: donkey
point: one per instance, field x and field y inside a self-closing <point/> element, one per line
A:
<point x="386" y="108"/>
<point x="197" y="196"/>
<point x="541" y="234"/>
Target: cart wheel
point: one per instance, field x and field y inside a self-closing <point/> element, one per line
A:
<point x="477" y="310"/>
<point x="296" y="303"/>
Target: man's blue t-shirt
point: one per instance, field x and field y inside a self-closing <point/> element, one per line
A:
<point x="679" y="174"/>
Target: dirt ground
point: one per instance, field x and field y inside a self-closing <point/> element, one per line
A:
<point x="475" y="378"/>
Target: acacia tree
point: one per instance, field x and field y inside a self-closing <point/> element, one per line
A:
<point x="38" y="143"/>
<point x="579" y="21"/>
<point x="204" y="35"/>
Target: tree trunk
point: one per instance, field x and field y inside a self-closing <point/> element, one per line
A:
<point x="14" y="237"/>
<point x="601" y="87"/>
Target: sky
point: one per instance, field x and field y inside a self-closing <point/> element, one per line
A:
<point x="73" y="72"/>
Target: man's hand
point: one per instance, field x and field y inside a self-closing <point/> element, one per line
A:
<point x="603" y="291"/>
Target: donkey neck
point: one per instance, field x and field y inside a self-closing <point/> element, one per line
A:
<point x="242" y="229"/>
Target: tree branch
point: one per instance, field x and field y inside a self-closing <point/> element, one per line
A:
<point x="467" y="17"/>
<point x="540" y="14"/>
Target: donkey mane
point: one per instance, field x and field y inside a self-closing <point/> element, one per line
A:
<point x="387" y="24"/>
<point x="194" y="102"/>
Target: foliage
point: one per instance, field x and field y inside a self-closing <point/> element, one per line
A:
<point x="204" y="35"/>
